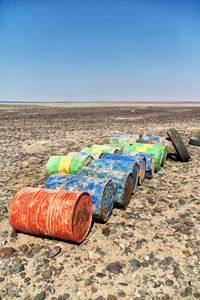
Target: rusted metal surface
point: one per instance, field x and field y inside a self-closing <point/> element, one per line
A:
<point x="150" y="161"/>
<point x="101" y="191"/>
<point x="122" y="181"/>
<point x="141" y="162"/>
<point x="59" y="214"/>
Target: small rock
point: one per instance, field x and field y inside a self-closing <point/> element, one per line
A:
<point x="17" y="260"/>
<point x="17" y="268"/>
<point x="66" y="296"/>
<point x="158" y="209"/>
<point x="99" y="298"/>
<point x="23" y="248"/>
<point x="47" y="274"/>
<point x="51" y="290"/>
<point x="101" y="275"/>
<point x="121" y="294"/>
<point x="169" y="282"/>
<point x="135" y="264"/>
<point x="93" y="256"/>
<point x="111" y="297"/>
<point x="53" y="252"/>
<point x="159" y="256"/>
<point x="14" y="234"/>
<point x="40" y="296"/>
<point x="114" y="267"/>
<point x="6" y="251"/>
<point x="106" y="231"/>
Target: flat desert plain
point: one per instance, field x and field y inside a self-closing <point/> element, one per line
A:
<point x="151" y="250"/>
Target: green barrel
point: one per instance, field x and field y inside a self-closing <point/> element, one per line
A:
<point x="158" y="157"/>
<point x="162" y="148"/>
<point x="52" y="165"/>
<point x="139" y="147"/>
<point x="79" y="161"/>
<point x="164" y="152"/>
<point x="86" y="149"/>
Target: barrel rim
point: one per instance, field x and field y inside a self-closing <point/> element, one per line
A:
<point x="126" y="203"/>
<point x="110" y="211"/>
<point x="90" y="221"/>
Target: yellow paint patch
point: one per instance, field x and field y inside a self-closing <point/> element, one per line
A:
<point x="64" y="164"/>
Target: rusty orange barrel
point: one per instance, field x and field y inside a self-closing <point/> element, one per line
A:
<point x="59" y="214"/>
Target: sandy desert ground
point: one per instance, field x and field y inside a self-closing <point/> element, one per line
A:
<point x="151" y="250"/>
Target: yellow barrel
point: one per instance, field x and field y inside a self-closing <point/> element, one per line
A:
<point x="64" y="164"/>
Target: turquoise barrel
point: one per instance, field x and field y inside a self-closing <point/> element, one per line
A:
<point x="150" y="161"/>
<point x="141" y="162"/>
<point x="122" y="181"/>
<point x="124" y="139"/>
<point x="101" y="191"/>
<point x="93" y="155"/>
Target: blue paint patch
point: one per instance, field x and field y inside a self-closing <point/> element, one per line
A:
<point x="122" y="182"/>
<point x="150" y="160"/>
<point x="101" y="191"/>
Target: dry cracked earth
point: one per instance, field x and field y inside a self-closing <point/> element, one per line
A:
<point x="151" y="250"/>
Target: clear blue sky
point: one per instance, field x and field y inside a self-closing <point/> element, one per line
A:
<point x="99" y="50"/>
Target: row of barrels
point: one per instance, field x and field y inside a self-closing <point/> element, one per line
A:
<point x="85" y="185"/>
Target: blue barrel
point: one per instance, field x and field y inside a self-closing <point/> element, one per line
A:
<point x="150" y="160"/>
<point x="101" y="191"/>
<point x="93" y="155"/>
<point x="126" y="166"/>
<point x="141" y="162"/>
<point x="122" y="181"/>
<point x="146" y="138"/>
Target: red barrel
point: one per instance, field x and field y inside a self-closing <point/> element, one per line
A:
<point x="59" y="214"/>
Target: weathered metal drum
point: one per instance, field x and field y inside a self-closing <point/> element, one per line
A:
<point x="142" y="148"/>
<point x="64" y="164"/>
<point x="122" y="181"/>
<point x="52" y="165"/>
<point x="152" y="139"/>
<point x="101" y="191"/>
<point x="150" y="161"/>
<point x="108" y="146"/>
<point x="93" y="155"/>
<point x="59" y="214"/>
<point x="124" y="139"/>
<point x="104" y="149"/>
<point x="163" y="150"/>
<point x="79" y="161"/>
<point x="141" y="162"/>
<point x="128" y="166"/>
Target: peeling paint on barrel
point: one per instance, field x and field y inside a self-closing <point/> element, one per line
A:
<point x="101" y="191"/>
<point x="139" y="147"/>
<point x="52" y="164"/>
<point x="125" y="139"/>
<point x="79" y="161"/>
<point x="122" y="181"/>
<point x="150" y="161"/>
<point x="141" y="162"/>
<point x="118" y="165"/>
<point x="59" y="214"/>
<point x="93" y="155"/>
<point x="64" y="164"/>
